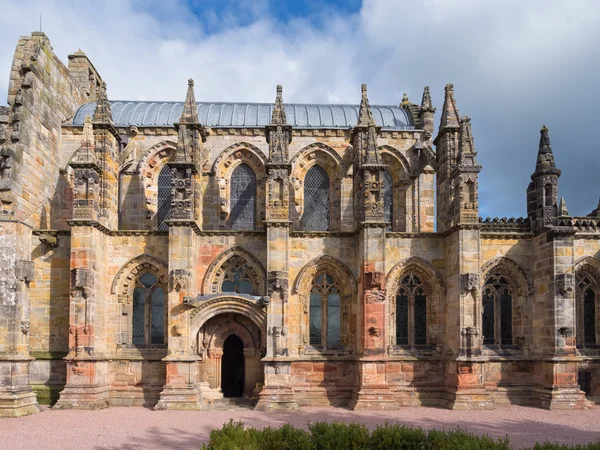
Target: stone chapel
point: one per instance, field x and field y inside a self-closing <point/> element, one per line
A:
<point x="175" y="254"/>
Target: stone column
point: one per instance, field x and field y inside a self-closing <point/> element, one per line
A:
<point x="16" y="397"/>
<point x="554" y="321"/>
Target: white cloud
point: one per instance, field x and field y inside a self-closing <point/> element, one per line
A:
<point x="515" y="65"/>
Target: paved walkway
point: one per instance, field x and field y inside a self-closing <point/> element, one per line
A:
<point x="140" y="428"/>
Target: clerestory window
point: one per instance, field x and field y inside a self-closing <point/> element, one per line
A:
<point x="243" y="198"/>
<point x="148" y="311"/>
<point x="163" y="211"/>
<point x="316" y="200"/>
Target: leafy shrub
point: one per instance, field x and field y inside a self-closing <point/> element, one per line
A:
<point x="339" y="436"/>
<point x="395" y="437"/>
<point x="462" y="440"/>
<point x="285" y="438"/>
<point x="549" y="446"/>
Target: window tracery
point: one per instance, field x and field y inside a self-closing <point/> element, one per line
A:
<point x="325" y="312"/>
<point x="316" y="200"/>
<point x="237" y="279"/>
<point x="411" y="311"/>
<point x="148" y="317"/>
<point x="497" y="316"/>
<point x="587" y="296"/>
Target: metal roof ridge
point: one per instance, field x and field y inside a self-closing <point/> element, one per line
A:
<point x="352" y="105"/>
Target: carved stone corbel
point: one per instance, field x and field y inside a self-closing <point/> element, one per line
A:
<point x="24" y="270"/>
<point x="469" y="282"/>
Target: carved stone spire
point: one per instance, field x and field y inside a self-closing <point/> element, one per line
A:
<point x="279" y="133"/>
<point x="278" y="117"/>
<point x="562" y="208"/>
<point x="545" y="160"/>
<point x="450" y="116"/>
<point x="102" y="113"/>
<point x="190" y="111"/>
<point x="595" y="212"/>
<point x="466" y="144"/>
<point x="365" y="116"/>
<point x="465" y="176"/>
<point x="426" y="112"/>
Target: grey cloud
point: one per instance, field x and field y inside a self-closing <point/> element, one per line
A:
<point x="515" y="66"/>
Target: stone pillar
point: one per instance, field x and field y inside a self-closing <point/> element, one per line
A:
<point x="87" y="385"/>
<point x="554" y="321"/>
<point x="16" y="397"/>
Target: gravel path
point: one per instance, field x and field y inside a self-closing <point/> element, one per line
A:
<point x="141" y="428"/>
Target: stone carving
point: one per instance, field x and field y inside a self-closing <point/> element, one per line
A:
<point x="469" y="282"/>
<point x="566" y="331"/>
<point x="24" y="271"/>
<point x="82" y="282"/>
<point x="181" y="193"/>
<point x="278" y="282"/>
<point x="277" y="333"/>
<point x="180" y="279"/>
<point x="565" y="284"/>
<point x="25" y="324"/>
<point x="469" y="338"/>
<point x="374" y="296"/>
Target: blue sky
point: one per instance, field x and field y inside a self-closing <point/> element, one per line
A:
<point x="515" y="66"/>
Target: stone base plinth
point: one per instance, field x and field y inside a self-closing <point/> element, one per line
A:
<point x="276" y="397"/>
<point x="180" y="397"/>
<point x="17" y="402"/>
<point x="83" y="397"/>
<point x="373" y="398"/>
<point x="560" y="398"/>
<point x="470" y="399"/>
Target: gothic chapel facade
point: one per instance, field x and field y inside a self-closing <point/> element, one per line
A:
<point x="171" y="254"/>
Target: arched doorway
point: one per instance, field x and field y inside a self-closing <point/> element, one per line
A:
<point x="232" y="367"/>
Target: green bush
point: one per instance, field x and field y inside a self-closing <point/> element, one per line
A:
<point x="341" y="436"/>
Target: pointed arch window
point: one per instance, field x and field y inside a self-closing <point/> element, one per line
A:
<point x="325" y="312"/>
<point x="497" y="323"/>
<point x="587" y="296"/>
<point x="388" y="199"/>
<point x="237" y="280"/>
<point x="148" y="316"/>
<point x="243" y="198"/>
<point x="163" y="211"/>
<point x="316" y="200"/>
<point x="411" y="312"/>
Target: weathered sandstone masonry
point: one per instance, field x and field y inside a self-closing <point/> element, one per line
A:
<point x="179" y="254"/>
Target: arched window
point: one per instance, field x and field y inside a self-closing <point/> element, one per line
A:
<point x="163" y="211"/>
<point x="316" y="200"/>
<point x="388" y="199"/>
<point x="411" y="301"/>
<point x="243" y="198"/>
<point x="148" y="311"/>
<point x="586" y="309"/>
<point x="325" y="312"/>
<point x="497" y="323"/>
<point x="237" y="280"/>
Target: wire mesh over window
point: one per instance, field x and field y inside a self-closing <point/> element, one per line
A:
<point x="497" y="311"/>
<point x="388" y="199"/>
<point x="243" y="198"/>
<point x="164" y="198"/>
<point x="589" y="317"/>
<point x="316" y="200"/>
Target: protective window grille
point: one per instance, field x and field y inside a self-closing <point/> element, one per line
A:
<point x="316" y="200"/>
<point x="411" y="301"/>
<point x="325" y="312"/>
<point x="148" y="317"/>
<point x="243" y="198"/>
<point x="388" y="199"/>
<point x="497" y="323"/>
<point x="589" y="317"/>
<point x="164" y="198"/>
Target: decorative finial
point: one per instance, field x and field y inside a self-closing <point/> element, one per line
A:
<point x="279" y="89"/>
<point x="363" y="88"/>
<point x="562" y="208"/>
<point x="190" y="82"/>
<point x="405" y="100"/>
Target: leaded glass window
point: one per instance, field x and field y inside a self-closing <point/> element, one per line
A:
<point x="243" y="198"/>
<point x="411" y="312"/>
<point x="316" y="200"/>
<point x="163" y="211"/>
<point x="497" y="323"/>
<point x="388" y="199"/>
<point x="589" y="316"/>
<point x="325" y="317"/>
<point x="237" y="280"/>
<point x="148" y="315"/>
